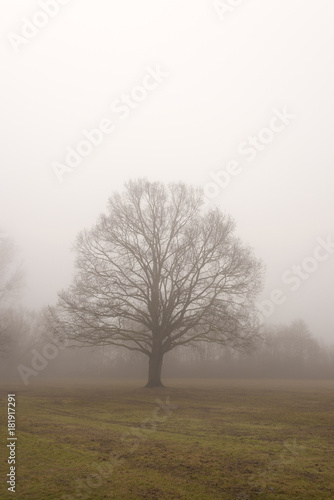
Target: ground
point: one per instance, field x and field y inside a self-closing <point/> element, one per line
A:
<point x="194" y="439"/>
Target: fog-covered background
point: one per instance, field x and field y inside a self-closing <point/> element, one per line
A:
<point x="229" y="73"/>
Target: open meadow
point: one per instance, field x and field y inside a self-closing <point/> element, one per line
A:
<point x="194" y="439"/>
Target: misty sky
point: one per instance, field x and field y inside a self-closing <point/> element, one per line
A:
<point x="202" y="88"/>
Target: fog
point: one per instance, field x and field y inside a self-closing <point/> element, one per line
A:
<point x="219" y="80"/>
<point x="287" y="352"/>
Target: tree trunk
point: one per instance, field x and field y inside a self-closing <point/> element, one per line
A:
<point x="154" y="370"/>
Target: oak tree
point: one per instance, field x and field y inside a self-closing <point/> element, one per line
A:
<point x="157" y="271"/>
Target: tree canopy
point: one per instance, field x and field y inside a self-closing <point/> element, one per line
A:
<point x="157" y="271"/>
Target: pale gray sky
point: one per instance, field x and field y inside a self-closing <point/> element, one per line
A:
<point x="228" y="77"/>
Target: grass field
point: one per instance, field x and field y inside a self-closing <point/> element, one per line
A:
<point x="194" y="439"/>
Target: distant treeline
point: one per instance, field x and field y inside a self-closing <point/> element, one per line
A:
<point x="284" y="352"/>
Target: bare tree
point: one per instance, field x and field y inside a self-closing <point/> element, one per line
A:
<point x="156" y="272"/>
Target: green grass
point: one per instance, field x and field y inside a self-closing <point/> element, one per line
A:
<point x="232" y="439"/>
